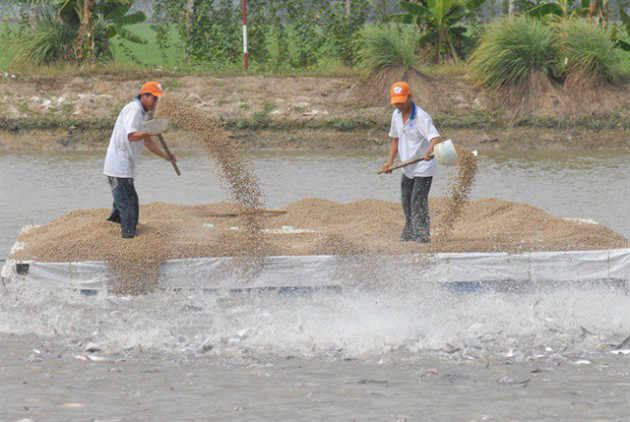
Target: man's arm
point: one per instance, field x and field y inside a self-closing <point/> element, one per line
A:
<point x="138" y="136"/>
<point x="152" y="146"/>
<point x="428" y="156"/>
<point x="393" y="150"/>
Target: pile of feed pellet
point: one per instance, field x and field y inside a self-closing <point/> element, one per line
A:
<point x="309" y="226"/>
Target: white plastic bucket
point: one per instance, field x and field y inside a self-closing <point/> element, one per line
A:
<point x="155" y="126"/>
<point x="445" y="153"/>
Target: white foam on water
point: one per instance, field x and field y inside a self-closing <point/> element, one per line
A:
<point x="384" y="316"/>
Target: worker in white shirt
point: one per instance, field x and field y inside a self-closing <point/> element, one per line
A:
<point x="413" y="135"/>
<point x="123" y="153"/>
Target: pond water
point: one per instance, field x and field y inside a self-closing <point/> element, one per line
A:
<point x="380" y="354"/>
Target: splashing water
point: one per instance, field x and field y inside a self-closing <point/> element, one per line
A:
<point x="390" y="315"/>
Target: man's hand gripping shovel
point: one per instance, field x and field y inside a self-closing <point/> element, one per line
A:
<point x="155" y="127"/>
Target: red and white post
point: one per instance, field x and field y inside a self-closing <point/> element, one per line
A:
<point x="245" y="34"/>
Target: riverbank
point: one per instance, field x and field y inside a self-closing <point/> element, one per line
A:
<point x="68" y="112"/>
<point x="307" y="139"/>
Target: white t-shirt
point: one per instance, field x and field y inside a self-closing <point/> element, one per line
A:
<point x="414" y="138"/>
<point x="122" y="154"/>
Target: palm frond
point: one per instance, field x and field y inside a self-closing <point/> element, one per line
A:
<point x="131" y="19"/>
<point x="414" y="8"/>
<point x="130" y="36"/>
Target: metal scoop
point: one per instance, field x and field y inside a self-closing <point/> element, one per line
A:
<point x="444" y="152"/>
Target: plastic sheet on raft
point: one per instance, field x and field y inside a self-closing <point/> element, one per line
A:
<point x="460" y="271"/>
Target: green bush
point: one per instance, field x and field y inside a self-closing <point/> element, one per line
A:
<point x="587" y="53"/>
<point x="511" y="51"/>
<point x="50" y="43"/>
<point x="388" y="46"/>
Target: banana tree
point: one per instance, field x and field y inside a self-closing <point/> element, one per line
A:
<point x="625" y="20"/>
<point x="594" y="9"/>
<point x="562" y="10"/>
<point x="439" y="22"/>
<point x="112" y="18"/>
<point x="95" y="22"/>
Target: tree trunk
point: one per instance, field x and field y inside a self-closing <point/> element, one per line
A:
<point x="349" y="26"/>
<point x="592" y="11"/>
<point x="190" y="11"/>
<point x="438" y="47"/>
<point x="604" y="13"/>
<point x="33" y="16"/>
<point x="83" y="46"/>
<point x="453" y="51"/>
<point x="511" y="7"/>
<point x="189" y="14"/>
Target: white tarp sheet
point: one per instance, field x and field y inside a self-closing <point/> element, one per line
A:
<point x="324" y="270"/>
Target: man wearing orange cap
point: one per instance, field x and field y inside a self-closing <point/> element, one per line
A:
<point x="413" y="135"/>
<point x="123" y="154"/>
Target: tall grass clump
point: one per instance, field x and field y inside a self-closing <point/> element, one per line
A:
<point x="588" y="56"/>
<point x="50" y="43"/>
<point x="389" y="54"/>
<point x="515" y="58"/>
<point x="389" y="46"/>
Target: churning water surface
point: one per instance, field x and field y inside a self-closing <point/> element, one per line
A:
<point x="388" y="350"/>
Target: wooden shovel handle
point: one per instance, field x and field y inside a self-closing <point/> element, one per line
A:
<point x="170" y="156"/>
<point x="405" y="163"/>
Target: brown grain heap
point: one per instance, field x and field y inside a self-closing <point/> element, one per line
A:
<point x="171" y="231"/>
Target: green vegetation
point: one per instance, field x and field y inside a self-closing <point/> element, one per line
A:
<point x="512" y="51"/>
<point x="282" y="35"/>
<point x="388" y="46"/>
<point x="588" y="56"/>
<point x="259" y="120"/>
<point x="168" y="56"/>
<point x="389" y="53"/>
<point x="441" y="24"/>
<point x="569" y="51"/>
<point x="560" y="11"/>
<point x="450" y="119"/>
<point x="50" y="43"/>
<point x="73" y="30"/>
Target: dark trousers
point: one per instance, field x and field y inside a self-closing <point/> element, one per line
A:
<point x="126" y="208"/>
<point x="415" y="203"/>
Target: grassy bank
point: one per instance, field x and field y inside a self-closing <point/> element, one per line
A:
<point x="81" y="139"/>
<point x="455" y="119"/>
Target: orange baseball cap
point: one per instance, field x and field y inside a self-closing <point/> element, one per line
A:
<point x="153" y="88"/>
<point x="400" y="91"/>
